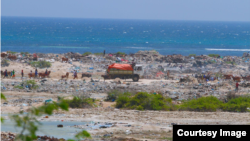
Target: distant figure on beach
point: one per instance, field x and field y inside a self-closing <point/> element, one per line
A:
<point x="6" y="73"/>
<point x="75" y="74"/>
<point x="22" y="73"/>
<point x="46" y="72"/>
<point x="13" y="73"/>
<point x="31" y="72"/>
<point x="237" y="86"/>
<point x="36" y="73"/>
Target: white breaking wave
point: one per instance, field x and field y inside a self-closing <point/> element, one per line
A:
<point x="140" y="47"/>
<point x="228" y="49"/>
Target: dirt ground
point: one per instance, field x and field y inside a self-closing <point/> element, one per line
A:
<point x="145" y="125"/>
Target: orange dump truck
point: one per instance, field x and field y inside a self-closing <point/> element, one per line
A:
<point x="124" y="71"/>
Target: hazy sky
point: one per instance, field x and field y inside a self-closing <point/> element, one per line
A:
<point x="212" y="10"/>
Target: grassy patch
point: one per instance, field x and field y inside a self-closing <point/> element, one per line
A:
<point x="31" y="83"/>
<point x="213" y="55"/>
<point x="190" y="55"/>
<point x="167" y="138"/>
<point x="12" y="52"/>
<point x="25" y="53"/>
<point x="211" y="104"/>
<point x="113" y="95"/>
<point x="145" y="101"/>
<point x="86" y="53"/>
<point x="120" y="53"/>
<point x="239" y="104"/>
<point x="40" y="64"/>
<point x="203" y="104"/>
<point x="80" y="102"/>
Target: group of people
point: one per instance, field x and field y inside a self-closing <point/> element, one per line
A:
<point x="12" y="73"/>
<point x="36" y="72"/>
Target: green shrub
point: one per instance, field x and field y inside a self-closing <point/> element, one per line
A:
<point x="203" y="104"/>
<point x="213" y="55"/>
<point x="122" y="101"/>
<point x="113" y="94"/>
<point x="18" y="87"/>
<point x="31" y="83"/>
<point x="192" y="55"/>
<point x="40" y="64"/>
<point x="25" y="53"/>
<point x="86" y="53"/>
<point x="80" y="102"/>
<point x="144" y="101"/>
<point x="120" y="53"/>
<point x="139" y="108"/>
<point x="238" y="104"/>
<point x="12" y="52"/>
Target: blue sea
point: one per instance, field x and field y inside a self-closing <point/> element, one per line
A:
<point x="61" y="35"/>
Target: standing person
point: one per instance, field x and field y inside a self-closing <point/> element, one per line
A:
<point x="6" y="73"/>
<point x="22" y="73"/>
<point x="36" y="73"/>
<point x="46" y="72"/>
<point x="74" y="74"/>
<point x="237" y="86"/>
<point x="13" y="73"/>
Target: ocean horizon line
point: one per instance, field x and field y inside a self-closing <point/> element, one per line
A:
<point x="177" y="20"/>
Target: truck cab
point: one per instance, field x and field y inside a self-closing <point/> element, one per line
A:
<point x="138" y="70"/>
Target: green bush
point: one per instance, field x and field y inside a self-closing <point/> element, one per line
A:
<point x="203" y="104"/>
<point x="145" y="101"/>
<point x="239" y="104"/>
<point x="12" y="52"/>
<point x="80" y="102"/>
<point x="86" y="53"/>
<point x="192" y="55"/>
<point x="139" y="108"/>
<point x="213" y="55"/>
<point x="25" y="53"/>
<point x="40" y="64"/>
<point x="113" y="94"/>
<point x="120" y="53"/>
<point x="31" y="83"/>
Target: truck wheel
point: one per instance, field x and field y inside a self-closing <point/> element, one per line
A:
<point x="135" y="78"/>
